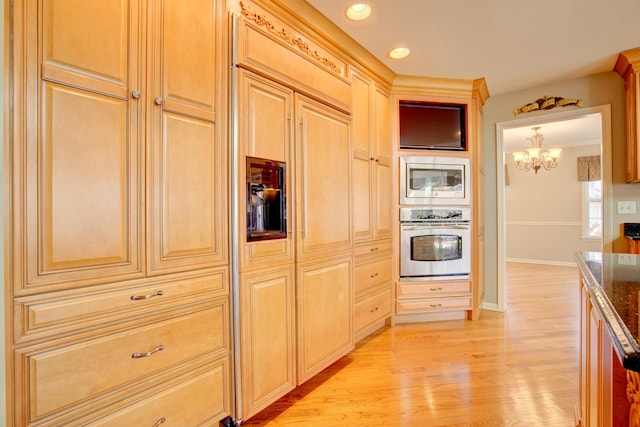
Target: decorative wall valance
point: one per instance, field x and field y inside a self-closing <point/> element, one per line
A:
<point x="547" y="103"/>
<point x="589" y="168"/>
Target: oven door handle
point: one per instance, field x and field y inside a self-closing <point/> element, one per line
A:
<point x="435" y="227"/>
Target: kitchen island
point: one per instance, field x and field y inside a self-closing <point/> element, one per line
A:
<point x="609" y="336"/>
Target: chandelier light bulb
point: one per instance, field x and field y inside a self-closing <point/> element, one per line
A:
<point x="534" y="158"/>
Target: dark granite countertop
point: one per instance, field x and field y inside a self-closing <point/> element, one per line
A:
<point x="614" y="283"/>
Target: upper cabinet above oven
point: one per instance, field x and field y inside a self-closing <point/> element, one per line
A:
<point x="426" y="180"/>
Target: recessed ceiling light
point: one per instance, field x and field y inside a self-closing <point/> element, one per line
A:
<point x="399" y="53"/>
<point x="358" y="11"/>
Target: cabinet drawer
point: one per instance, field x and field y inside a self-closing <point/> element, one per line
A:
<point x="372" y="249"/>
<point x="44" y="315"/>
<point x="433" y="288"/>
<point x="200" y="400"/>
<point x="90" y="368"/>
<point x="433" y="304"/>
<point x="372" y="309"/>
<point x="370" y="274"/>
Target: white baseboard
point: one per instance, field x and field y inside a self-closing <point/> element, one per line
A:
<point x="542" y="261"/>
<point x="490" y="306"/>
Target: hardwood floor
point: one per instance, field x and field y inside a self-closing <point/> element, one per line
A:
<point x="518" y="368"/>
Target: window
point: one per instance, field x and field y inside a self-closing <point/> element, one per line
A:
<point x="592" y="209"/>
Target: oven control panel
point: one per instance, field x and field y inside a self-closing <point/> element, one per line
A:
<point x="434" y="214"/>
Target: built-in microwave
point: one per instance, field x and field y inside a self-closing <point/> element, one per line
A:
<point x="431" y="180"/>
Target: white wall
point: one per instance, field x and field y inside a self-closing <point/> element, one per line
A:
<point x="544" y="211"/>
<point x="596" y="90"/>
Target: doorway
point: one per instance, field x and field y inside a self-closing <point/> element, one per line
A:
<point x="604" y="113"/>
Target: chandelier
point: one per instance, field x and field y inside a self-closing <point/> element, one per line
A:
<point x="534" y="158"/>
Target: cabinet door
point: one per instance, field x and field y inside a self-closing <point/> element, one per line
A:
<point x="362" y="158"/>
<point x="187" y="181"/>
<point x="77" y="161"/>
<point x="268" y="330"/>
<point x="264" y="131"/>
<point x="323" y="180"/>
<point x="325" y="314"/>
<point x="382" y="167"/>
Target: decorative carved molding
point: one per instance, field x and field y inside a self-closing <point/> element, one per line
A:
<point x="288" y="38"/>
<point x="547" y="103"/>
<point x="633" y="394"/>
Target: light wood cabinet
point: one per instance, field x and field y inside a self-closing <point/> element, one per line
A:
<point x="267" y="279"/>
<point x="265" y="130"/>
<point x="295" y="318"/>
<point x="119" y="209"/>
<point x="371" y="163"/>
<point x="604" y="394"/>
<point x="79" y="158"/>
<point x="268" y="337"/>
<point x="325" y="314"/>
<point x="372" y="282"/>
<point x="628" y="67"/>
<point x="432" y="296"/>
<point x="371" y="160"/>
<point x="323" y="180"/>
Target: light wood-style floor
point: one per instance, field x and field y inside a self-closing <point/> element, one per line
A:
<point x="518" y="368"/>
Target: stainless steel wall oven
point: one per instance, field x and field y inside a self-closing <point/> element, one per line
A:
<point x="435" y="243"/>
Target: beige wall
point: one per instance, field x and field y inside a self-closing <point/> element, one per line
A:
<point x="544" y="211"/>
<point x="596" y="90"/>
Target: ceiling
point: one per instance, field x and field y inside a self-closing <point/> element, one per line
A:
<point x="572" y="132"/>
<point x="513" y="44"/>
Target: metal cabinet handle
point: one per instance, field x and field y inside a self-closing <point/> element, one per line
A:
<point x="148" y="353"/>
<point x="160" y="421"/>
<point x="159" y="100"/>
<point x="136" y="94"/>
<point x="435" y="289"/>
<point x="373" y="249"/>
<point x="373" y="310"/>
<point x="435" y="305"/>
<point x="139" y="297"/>
<point x="373" y="275"/>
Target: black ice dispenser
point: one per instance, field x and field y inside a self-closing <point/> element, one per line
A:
<point x="266" y="201"/>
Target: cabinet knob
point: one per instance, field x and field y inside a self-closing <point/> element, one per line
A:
<point x="159" y="100"/>
<point x="136" y="94"/>
<point x="371" y="158"/>
<point x="160" y="421"/>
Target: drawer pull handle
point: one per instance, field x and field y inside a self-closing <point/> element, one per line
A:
<point x="373" y="249"/>
<point x="435" y="289"/>
<point x="373" y="310"/>
<point x="148" y="353"/>
<point x="139" y="297"/>
<point x="160" y="421"/>
<point x="435" y="305"/>
<point x="373" y="275"/>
